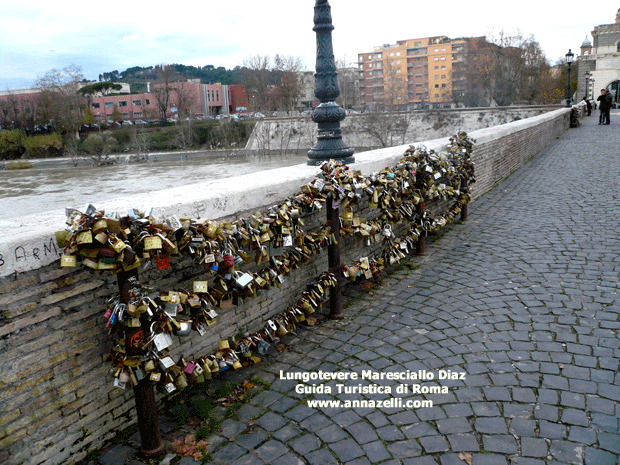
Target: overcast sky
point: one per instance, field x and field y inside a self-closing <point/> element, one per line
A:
<point x="37" y="36"/>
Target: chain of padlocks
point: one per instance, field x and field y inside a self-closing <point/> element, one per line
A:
<point x="105" y="242"/>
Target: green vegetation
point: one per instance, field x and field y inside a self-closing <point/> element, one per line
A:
<point x="11" y="144"/>
<point x="210" y="134"/>
<point x="46" y="145"/>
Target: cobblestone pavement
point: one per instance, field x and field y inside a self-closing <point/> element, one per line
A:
<point x="522" y="298"/>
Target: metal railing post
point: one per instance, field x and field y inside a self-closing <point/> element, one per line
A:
<point x="333" y="260"/>
<point x="143" y="392"/>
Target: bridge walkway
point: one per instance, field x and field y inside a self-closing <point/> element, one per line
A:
<point x="520" y="302"/>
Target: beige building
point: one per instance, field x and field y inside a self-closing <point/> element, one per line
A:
<point x="601" y="59"/>
<point x="412" y="73"/>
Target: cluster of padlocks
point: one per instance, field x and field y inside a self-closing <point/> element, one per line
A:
<point x="147" y="355"/>
<point x="106" y="242"/>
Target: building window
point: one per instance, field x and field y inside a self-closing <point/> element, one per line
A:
<point x="125" y="115"/>
<point x="96" y="105"/>
<point x="147" y="101"/>
<point x="122" y="103"/>
<point x="109" y="104"/>
<point x="137" y="114"/>
<point x="137" y="102"/>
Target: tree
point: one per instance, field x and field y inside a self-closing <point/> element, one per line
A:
<point x="394" y="85"/>
<point x="89" y="117"/>
<point x="388" y="129"/>
<point x="166" y="75"/>
<point x="58" y="101"/>
<point x="289" y="89"/>
<point x="116" y="114"/>
<point x="256" y="78"/>
<point x="103" y="88"/>
<point x="182" y="98"/>
<point x="349" y="92"/>
<point x="505" y="69"/>
<point x="99" y="146"/>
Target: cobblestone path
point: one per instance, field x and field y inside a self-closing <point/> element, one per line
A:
<point x="522" y="299"/>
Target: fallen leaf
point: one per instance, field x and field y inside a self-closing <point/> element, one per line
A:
<point x="466" y="456"/>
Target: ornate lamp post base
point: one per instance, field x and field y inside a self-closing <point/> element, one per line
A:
<point x="329" y="141"/>
<point x="328" y="114"/>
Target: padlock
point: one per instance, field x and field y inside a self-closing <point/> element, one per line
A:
<point x="181" y="381"/>
<point x="281" y="330"/>
<point x="347" y="215"/>
<point x="200" y="286"/>
<point x="243" y="279"/>
<point x="228" y="258"/>
<point x="153" y="243"/>
<point x="68" y="261"/>
<point x="166" y="363"/>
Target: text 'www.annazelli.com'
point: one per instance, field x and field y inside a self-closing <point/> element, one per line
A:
<point x="393" y="402"/>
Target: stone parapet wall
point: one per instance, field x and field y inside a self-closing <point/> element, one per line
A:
<point x="58" y="400"/>
<point x="366" y="130"/>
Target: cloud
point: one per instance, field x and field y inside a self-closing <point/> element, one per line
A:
<point x="102" y="38"/>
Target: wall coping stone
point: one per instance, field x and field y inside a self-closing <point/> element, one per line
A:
<point x="28" y="242"/>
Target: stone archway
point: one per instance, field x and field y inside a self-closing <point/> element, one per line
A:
<point x="614" y="88"/>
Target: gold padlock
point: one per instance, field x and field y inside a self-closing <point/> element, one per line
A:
<point x="68" y="261"/>
<point x="347" y="215"/>
<point x="100" y="225"/>
<point x="152" y="243"/>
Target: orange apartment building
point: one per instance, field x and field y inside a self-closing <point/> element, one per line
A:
<point x="413" y="73"/>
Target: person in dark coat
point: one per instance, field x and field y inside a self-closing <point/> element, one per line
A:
<point x="605" y="106"/>
<point x="588" y="106"/>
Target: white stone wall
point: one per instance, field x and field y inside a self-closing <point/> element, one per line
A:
<point x="300" y="133"/>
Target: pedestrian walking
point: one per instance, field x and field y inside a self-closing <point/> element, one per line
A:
<point x="588" y="106"/>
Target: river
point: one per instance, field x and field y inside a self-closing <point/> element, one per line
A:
<point x="52" y="187"/>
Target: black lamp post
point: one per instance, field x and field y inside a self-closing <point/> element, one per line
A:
<point x="569" y="59"/>
<point x="588" y="74"/>
<point x="328" y="114"/>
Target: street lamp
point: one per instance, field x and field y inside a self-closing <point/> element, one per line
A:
<point x="588" y="74"/>
<point x="569" y="59"/>
<point x="328" y="114"/>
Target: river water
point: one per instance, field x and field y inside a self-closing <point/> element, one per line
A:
<point x="40" y="189"/>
